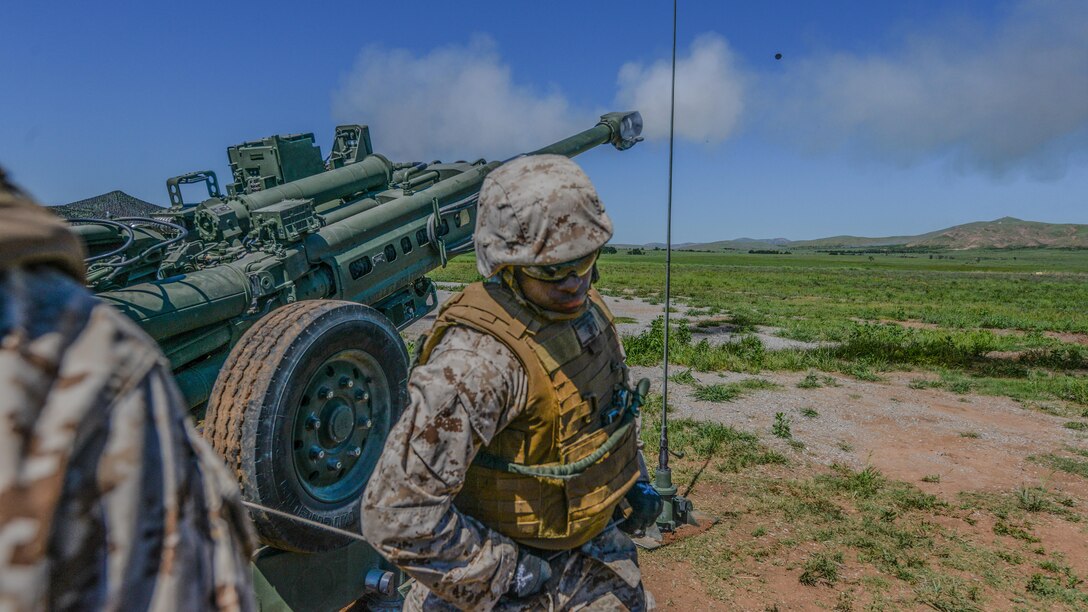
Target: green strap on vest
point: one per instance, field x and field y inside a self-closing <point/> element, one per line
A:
<point x="570" y="470"/>
<point x="561" y="472"/>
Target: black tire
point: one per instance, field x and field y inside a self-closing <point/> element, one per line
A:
<point x="264" y="416"/>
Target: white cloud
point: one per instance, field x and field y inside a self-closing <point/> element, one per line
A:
<point x="463" y="102"/>
<point x="709" y="92"/>
<point x="1012" y="97"/>
<point x="456" y="102"/>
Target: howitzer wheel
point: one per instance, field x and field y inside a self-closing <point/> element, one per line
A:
<point x="301" y="410"/>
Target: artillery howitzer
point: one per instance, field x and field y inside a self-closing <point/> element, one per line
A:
<point x="279" y="307"/>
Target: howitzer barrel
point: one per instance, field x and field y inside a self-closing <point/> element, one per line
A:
<point x="579" y="143"/>
<point x="342" y="235"/>
<point x="620" y="129"/>
<point x="351" y="209"/>
<point x="174" y="306"/>
<point x="371" y="173"/>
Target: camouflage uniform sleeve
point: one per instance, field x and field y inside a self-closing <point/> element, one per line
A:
<point x="108" y="498"/>
<point x="471" y="387"/>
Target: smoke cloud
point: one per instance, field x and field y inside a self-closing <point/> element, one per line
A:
<point x="709" y="92"/>
<point x="463" y="101"/>
<point x="1006" y="99"/>
<point x="456" y="102"/>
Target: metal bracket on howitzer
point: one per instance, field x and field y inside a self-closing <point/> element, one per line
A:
<point x="173" y="186"/>
<point x="432" y="230"/>
<point x="280" y="307"/>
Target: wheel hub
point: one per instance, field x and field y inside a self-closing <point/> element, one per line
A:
<point x="341" y="423"/>
<point x="333" y="421"/>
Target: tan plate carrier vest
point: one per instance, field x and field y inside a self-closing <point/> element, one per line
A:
<point x="574" y="369"/>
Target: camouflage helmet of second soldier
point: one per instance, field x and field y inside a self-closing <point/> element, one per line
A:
<point x="538" y="210"/>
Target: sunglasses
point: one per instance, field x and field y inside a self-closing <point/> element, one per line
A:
<point x="557" y="272"/>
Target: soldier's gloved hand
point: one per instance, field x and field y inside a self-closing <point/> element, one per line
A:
<point x="646" y="506"/>
<point x="530" y="574"/>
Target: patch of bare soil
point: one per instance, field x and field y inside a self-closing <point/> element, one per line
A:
<point x="941" y="442"/>
<point x="674" y="587"/>
<point x="1005" y="355"/>
<point x="725" y="332"/>
<point x="635" y="314"/>
<point x="909" y="324"/>
<point x="767" y="583"/>
<point x="1070" y="337"/>
<point x="906" y="433"/>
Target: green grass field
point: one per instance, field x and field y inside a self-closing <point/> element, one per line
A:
<point x="817" y="295"/>
<point x="820" y="294"/>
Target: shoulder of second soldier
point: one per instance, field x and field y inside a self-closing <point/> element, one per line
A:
<point x="53" y="303"/>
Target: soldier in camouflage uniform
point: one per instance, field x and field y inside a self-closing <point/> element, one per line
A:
<point x="108" y="497"/>
<point x="510" y="479"/>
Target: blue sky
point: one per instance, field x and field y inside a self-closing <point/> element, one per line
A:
<point x="881" y="118"/>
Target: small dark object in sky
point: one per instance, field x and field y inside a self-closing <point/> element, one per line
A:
<point x="778" y="56"/>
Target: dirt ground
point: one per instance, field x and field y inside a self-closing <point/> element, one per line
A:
<point x="958" y="442"/>
<point x="908" y="434"/>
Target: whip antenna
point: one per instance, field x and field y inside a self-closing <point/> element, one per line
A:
<point x="663" y="455"/>
<point x="676" y="509"/>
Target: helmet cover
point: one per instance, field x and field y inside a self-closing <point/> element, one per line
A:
<point x="538" y="210"/>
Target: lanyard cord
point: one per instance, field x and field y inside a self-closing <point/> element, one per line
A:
<point x="305" y="521"/>
<point x="663" y="456"/>
<point x="358" y="536"/>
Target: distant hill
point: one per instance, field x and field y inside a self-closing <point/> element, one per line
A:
<point x="849" y="242"/>
<point x="1003" y="233"/>
<point x="736" y="244"/>
<point x="741" y="244"/>
<point x="116" y="203"/>
<point x="1007" y="232"/>
<point x="774" y="241"/>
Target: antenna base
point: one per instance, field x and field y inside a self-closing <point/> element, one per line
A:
<point x="677" y="509"/>
<point x="676" y="512"/>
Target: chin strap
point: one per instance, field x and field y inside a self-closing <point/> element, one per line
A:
<point x="506" y="276"/>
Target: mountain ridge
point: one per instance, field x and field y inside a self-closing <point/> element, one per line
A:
<point x="1002" y="233"/>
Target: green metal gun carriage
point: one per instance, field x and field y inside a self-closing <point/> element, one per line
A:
<point x="279" y="306"/>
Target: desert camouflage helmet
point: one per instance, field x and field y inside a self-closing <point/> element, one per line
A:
<point x="538" y="210"/>
<point x="30" y="235"/>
